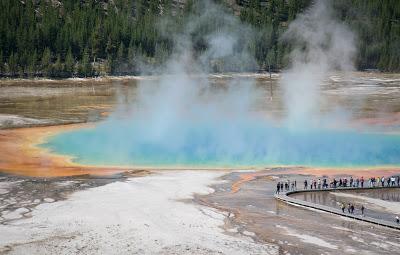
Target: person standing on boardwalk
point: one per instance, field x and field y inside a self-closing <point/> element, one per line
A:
<point x="352" y="209"/>
<point x="305" y="184"/>
<point x="397" y="220"/>
<point x="383" y="181"/>
<point x="348" y="208"/>
<point x="362" y="182"/>
<point x="362" y="210"/>
<point x="393" y="181"/>
<point x="278" y="187"/>
<point x="342" y="206"/>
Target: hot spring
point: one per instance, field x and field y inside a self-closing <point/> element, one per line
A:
<point x="219" y="128"/>
<point x="228" y="145"/>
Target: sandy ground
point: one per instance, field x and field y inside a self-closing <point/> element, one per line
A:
<point x="146" y="215"/>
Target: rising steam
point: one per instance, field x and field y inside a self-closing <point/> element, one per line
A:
<point x="184" y="120"/>
<point x="320" y="44"/>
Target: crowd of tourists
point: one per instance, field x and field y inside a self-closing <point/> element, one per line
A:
<point x="286" y="185"/>
<point x="353" y="182"/>
<point x="325" y="183"/>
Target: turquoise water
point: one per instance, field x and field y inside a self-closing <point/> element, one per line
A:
<point x="224" y="144"/>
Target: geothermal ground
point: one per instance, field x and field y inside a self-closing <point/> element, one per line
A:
<point x="50" y="204"/>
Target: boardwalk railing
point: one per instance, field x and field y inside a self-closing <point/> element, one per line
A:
<point x="284" y="196"/>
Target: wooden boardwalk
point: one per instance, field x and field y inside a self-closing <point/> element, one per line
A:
<point x="284" y="196"/>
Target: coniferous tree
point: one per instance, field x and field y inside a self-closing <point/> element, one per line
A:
<point x="46" y="62"/>
<point x="1" y="62"/>
<point x="96" y="40"/>
<point x="121" y="52"/>
<point x="13" y="64"/>
<point x="69" y="63"/>
<point x="109" y="64"/>
<point x="58" y="67"/>
<point x="110" y="47"/>
<point x="86" y="66"/>
<point x="32" y="67"/>
<point x="120" y="58"/>
<point x="132" y="58"/>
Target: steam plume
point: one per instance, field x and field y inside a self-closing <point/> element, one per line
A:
<point x="320" y="43"/>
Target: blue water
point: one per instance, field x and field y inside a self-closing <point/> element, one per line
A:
<point x="224" y="144"/>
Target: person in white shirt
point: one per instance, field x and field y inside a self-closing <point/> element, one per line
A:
<point x="393" y="181"/>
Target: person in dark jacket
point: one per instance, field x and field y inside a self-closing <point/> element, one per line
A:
<point x="352" y="209"/>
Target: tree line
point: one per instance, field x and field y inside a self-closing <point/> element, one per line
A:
<point x="87" y="38"/>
